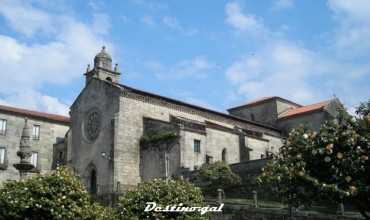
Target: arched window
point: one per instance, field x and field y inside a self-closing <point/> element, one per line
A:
<point x="109" y="79"/>
<point x="93" y="188"/>
<point x="224" y="155"/>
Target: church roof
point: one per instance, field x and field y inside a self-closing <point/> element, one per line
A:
<point x="35" y="114"/>
<point x="304" y="109"/>
<point x="263" y="100"/>
<point x="197" y="107"/>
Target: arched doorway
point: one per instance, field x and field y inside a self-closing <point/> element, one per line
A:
<point x="93" y="187"/>
<point x="224" y="155"/>
<point x="90" y="179"/>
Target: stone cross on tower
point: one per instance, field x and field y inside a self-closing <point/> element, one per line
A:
<point x="24" y="151"/>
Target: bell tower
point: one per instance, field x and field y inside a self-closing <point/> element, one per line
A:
<point x="103" y="68"/>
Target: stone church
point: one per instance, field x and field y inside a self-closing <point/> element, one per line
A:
<point x="118" y="136"/>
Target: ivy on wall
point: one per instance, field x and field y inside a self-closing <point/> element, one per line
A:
<point x="158" y="137"/>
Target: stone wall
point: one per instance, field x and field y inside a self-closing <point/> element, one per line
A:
<point x="264" y="112"/>
<point x="134" y="107"/>
<point x="311" y="119"/>
<point x="247" y="168"/>
<point x="122" y="125"/>
<point x="153" y="155"/>
<point x="246" y="212"/>
<point x="50" y="133"/>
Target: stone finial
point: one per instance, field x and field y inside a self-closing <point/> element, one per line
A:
<point x="26" y="136"/>
<point x="116" y="68"/>
<point x="88" y="68"/>
<point x="24" y="152"/>
<point x="103" y="49"/>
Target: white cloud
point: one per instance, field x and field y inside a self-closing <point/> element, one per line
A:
<point x="355" y="10"/>
<point x="198" y="67"/>
<point x="241" y="21"/>
<point x="32" y="99"/>
<point x="285" y="69"/>
<point x="280" y="63"/>
<point x="351" y="37"/>
<point x="24" y="18"/>
<point x="174" y="24"/>
<point x="283" y="4"/>
<point x="57" y="61"/>
<point x="291" y="70"/>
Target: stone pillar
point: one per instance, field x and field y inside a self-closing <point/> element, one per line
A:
<point x="292" y="212"/>
<point x="166" y="165"/>
<point x="24" y="152"/>
<point x="255" y="199"/>
<point x="340" y="210"/>
<point x="220" y="195"/>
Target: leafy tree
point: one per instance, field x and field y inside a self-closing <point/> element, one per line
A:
<point x="215" y="176"/>
<point x="172" y="192"/>
<point x="57" y="195"/>
<point x="364" y="109"/>
<point x="331" y="164"/>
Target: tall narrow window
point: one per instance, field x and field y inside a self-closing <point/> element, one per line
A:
<point x="252" y="117"/>
<point x="34" y="158"/>
<point x="196" y="146"/>
<point x="2" y="126"/>
<point x="60" y="155"/>
<point x="2" y="155"/>
<point x="224" y="155"/>
<point x="93" y="187"/>
<point x="36" y="132"/>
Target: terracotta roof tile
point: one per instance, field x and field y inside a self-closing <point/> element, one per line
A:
<point x="304" y="109"/>
<point x="36" y="114"/>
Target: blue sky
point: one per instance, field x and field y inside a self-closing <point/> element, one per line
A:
<point x="216" y="54"/>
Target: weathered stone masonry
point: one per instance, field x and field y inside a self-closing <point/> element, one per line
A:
<point x="108" y="120"/>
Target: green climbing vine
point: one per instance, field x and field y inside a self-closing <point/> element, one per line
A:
<point x="155" y="138"/>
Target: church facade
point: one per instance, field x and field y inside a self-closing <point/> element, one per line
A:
<point x="118" y="136"/>
<point x="109" y="121"/>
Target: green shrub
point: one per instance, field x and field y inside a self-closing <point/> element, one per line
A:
<point x="132" y="204"/>
<point x="57" y="195"/>
<point x="215" y="176"/>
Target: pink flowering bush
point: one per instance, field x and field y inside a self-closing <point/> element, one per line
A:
<point x="330" y="164"/>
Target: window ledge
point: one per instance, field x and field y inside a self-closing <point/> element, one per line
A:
<point x="3" y="166"/>
<point x="35" y="170"/>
